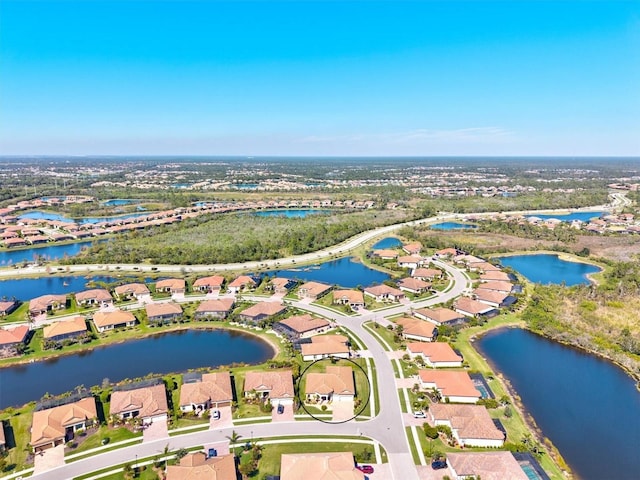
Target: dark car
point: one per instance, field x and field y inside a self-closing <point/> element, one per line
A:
<point x="368" y="469"/>
<point x="280" y="408"/>
<point x="438" y="464"/>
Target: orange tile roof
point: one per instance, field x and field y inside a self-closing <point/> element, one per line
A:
<point x="450" y="384"/>
<point x="470" y="421"/>
<point x="279" y="383"/>
<point x="241" y="281"/>
<point x="159" y="309"/>
<point x="50" y="425"/>
<point x="114" y="317"/>
<point x="264" y="308"/>
<point x="413" y="284"/>
<point x="132" y="288"/>
<point x="427" y="272"/>
<point x="436" y="351"/>
<point x="215" y="387"/>
<point x="352" y="296"/>
<point x="378" y="290"/>
<point x="220" y="305"/>
<point x="319" y="466"/>
<point x="76" y="324"/>
<point x="13" y="335"/>
<point x="337" y="380"/>
<point x="213" y="281"/>
<point x="495" y="275"/>
<point x="498" y="285"/>
<point x="439" y="315"/>
<point x="304" y="323"/>
<point x="471" y="306"/>
<point x="171" y="284"/>
<point x="196" y="466"/>
<point x="324" y="346"/>
<point x="419" y="328"/>
<point x="97" y="294"/>
<point x="41" y="303"/>
<point x="492" y="296"/>
<point x="314" y="289"/>
<point x="486" y="465"/>
<point x="149" y="401"/>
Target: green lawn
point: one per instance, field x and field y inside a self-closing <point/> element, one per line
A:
<point x="19" y="420"/>
<point x="113" y="435"/>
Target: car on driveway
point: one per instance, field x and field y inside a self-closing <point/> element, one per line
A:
<point x="280" y="408"/>
<point x="368" y="469"/>
<point x="419" y="414"/>
<point x="215" y="414"/>
<point x="438" y="464"/>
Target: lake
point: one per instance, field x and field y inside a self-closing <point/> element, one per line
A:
<point x="40" y="215"/>
<point x="27" y="288"/>
<point x="569" y="217"/>
<point x="344" y="272"/>
<point x="588" y="407"/>
<point x="549" y="269"/>
<point x="162" y="353"/>
<point x="116" y="202"/>
<point x="389" y="242"/>
<point x="293" y="213"/>
<point x="452" y="226"/>
<point x="50" y="252"/>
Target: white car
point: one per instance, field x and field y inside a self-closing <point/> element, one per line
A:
<point x="215" y="414"/>
<point x="419" y="414"/>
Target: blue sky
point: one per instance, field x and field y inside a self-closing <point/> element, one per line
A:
<point x="320" y="78"/>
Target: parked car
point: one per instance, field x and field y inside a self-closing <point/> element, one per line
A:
<point x="438" y="464"/>
<point x="419" y="414"/>
<point x="280" y="408"/>
<point x="215" y="414"/>
<point x="368" y="469"/>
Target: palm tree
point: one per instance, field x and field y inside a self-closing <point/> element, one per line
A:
<point x="233" y="439"/>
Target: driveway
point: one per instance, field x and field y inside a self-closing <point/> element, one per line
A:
<point x="286" y="416"/>
<point x="155" y="431"/>
<point x="425" y="472"/>
<point x="381" y="471"/>
<point x="48" y="459"/>
<point x="342" y="411"/>
<point x="225" y="420"/>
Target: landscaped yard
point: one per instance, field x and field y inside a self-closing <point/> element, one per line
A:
<point x="19" y="422"/>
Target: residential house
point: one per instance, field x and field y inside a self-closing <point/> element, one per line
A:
<point x="139" y="291"/>
<point x="325" y="346"/>
<point x="275" y="386"/>
<point x="211" y="284"/>
<point x="495" y="275"/>
<point x="7" y="307"/>
<point x="384" y="293"/>
<point x="163" y="312"/>
<point x="301" y="326"/>
<point x="353" y="298"/>
<point x="281" y="286"/>
<point x="448" y="253"/>
<point x="435" y="354"/>
<point x="65" y="329"/>
<point x="313" y="290"/>
<point x="473" y="308"/>
<point x="336" y="384"/>
<point x="214" y="309"/>
<point x="453" y="386"/>
<point x="410" y="261"/>
<point x="497" y="285"/>
<point x="493" y="298"/>
<point x="470" y="425"/>
<point x="412" y="248"/>
<point x="98" y="297"/>
<point x="212" y="391"/>
<point x="147" y="403"/>
<point x="11" y="339"/>
<point x="486" y="267"/>
<point x="319" y="466"/>
<point x="385" y="254"/>
<point x="196" y="466"/>
<point x="241" y="284"/>
<point x="414" y="285"/>
<point x="109" y="320"/>
<point x="46" y="304"/>
<point x="485" y="465"/>
<point x="55" y="426"/>
<point x="414" y="329"/>
<point x="171" y="285"/>
<point x="261" y="311"/>
<point x="426" y="274"/>
<point x="440" y="316"/>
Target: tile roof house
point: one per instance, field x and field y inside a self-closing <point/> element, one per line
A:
<point x="448" y="252"/>
<point x="385" y="254"/>
<point x="213" y="391"/>
<point x="208" y="284"/>
<point x="493" y="298"/>
<point x="276" y="386"/>
<point x="324" y="346"/>
<point x="171" y="285"/>
<point x="148" y="403"/>
<point x="410" y="261"/>
<point x="7" y="307"/>
<point x="435" y="354"/>
<point x="473" y="308"/>
<point x="261" y="311"/>
<point x="313" y="290"/>
<point x="241" y="284"/>
<point x="485" y="465"/>
<point x="413" y="285"/>
<point x="453" y="385"/>
<point x="426" y="273"/>
<point x="302" y="326"/>
<point x="336" y="384"/>
<point x="497" y="285"/>
<point x="384" y="293"/>
<point x="55" y="426"/>
<point x="163" y="312"/>
<point x="440" y="316"/>
<point x="109" y="320"/>
<point x="412" y="248"/>
<point x="64" y="329"/>
<point x="196" y="466"/>
<point x="414" y="329"/>
<point x="353" y="298"/>
<point x="214" y="308"/>
<point x="95" y="296"/>
<point x="47" y="303"/>
<point x="319" y="466"/>
<point x="281" y="286"/>
<point x="131" y="290"/>
<point x="11" y="338"/>
<point x="495" y="275"/>
<point x="471" y="425"/>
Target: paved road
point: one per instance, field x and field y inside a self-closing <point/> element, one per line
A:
<point x="387" y="428"/>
